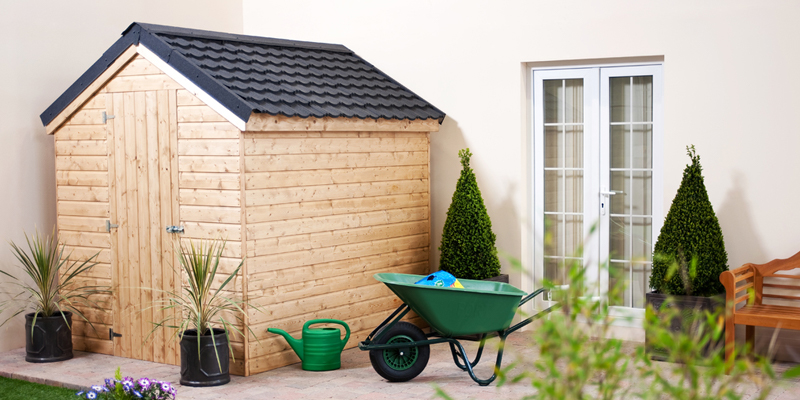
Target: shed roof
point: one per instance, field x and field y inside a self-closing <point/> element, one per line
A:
<point x="247" y="74"/>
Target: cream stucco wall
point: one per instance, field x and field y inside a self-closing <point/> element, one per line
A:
<point x="731" y="88"/>
<point x="44" y="47"/>
<point x="730" y="82"/>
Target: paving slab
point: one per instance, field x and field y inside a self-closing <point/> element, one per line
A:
<point x="355" y="380"/>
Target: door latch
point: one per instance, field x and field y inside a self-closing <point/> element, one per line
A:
<point x="174" y="229"/>
<point x="112" y="334"/>
<point x="109" y="225"/>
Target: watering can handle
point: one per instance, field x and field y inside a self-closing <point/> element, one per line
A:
<point x="330" y="321"/>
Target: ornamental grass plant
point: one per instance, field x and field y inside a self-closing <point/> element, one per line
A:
<point x="201" y="304"/>
<point x="50" y="282"/>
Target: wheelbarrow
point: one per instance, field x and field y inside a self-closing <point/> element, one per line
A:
<point x="399" y="350"/>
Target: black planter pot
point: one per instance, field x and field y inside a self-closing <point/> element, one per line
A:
<point x="51" y="340"/>
<point x="203" y="369"/>
<point x="689" y="309"/>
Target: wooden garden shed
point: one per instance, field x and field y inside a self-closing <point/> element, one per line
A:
<point x="312" y="163"/>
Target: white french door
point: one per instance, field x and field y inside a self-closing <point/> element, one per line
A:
<point x="597" y="177"/>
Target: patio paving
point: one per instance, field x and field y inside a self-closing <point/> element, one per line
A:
<point x="355" y="380"/>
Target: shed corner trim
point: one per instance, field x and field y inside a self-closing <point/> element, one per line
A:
<point x="187" y="84"/>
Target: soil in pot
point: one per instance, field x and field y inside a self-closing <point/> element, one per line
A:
<point x="204" y="369"/>
<point x="51" y="340"/>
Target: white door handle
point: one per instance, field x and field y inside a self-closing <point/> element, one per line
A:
<point x="611" y="193"/>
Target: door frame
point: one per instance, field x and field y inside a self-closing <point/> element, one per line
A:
<point x="595" y="137"/>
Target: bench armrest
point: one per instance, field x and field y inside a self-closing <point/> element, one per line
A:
<point x="735" y="294"/>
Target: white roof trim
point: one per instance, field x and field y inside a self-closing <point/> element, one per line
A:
<point x="191" y="87"/>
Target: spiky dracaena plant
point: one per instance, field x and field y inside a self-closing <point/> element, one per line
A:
<point x="690" y="252"/>
<point x="468" y="244"/>
<point x="56" y="287"/>
<point x="199" y="305"/>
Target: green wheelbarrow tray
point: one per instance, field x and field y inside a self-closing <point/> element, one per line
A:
<point x="481" y="306"/>
<point x="399" y="350"/>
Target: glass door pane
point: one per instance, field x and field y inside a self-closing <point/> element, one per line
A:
<point x="630" y="180"/>
<point x="563" y="176"/>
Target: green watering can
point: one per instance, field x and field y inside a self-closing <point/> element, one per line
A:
<point x="319" y="349"/>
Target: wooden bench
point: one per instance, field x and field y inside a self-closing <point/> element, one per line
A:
<point x="738" y="284"/>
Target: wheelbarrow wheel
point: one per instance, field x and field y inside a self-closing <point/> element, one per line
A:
<point x="401" y="364"/>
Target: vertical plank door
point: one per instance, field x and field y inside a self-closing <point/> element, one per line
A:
<point x="143" y="188"/>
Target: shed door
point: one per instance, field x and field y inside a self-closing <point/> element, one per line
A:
<point x="143" y="195"/>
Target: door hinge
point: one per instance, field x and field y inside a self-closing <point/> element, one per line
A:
<point x="106" y="117"/>
<point x="112" y="334"/>
<point x="174" y="229"/>
<point x="109" y="225"/>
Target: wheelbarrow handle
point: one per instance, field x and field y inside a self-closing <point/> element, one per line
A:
<point x="531" y="296"/>
<point x="330" y="321"/>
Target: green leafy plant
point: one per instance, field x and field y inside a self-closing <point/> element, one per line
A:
<point x="55" y="287"/>
<point x="199" y="305"/>
<point x="577" y="359"/>
<point x="690" y="232"/>
<point x="468" y="244"/>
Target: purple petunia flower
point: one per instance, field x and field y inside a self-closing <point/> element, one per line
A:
<point x="137" y="394"/>
<point x="165" y="386"/>
<point x="127" y="385"/>
<point x="91" y="395"/>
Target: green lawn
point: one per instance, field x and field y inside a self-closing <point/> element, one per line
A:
<point x="13" y="389"/>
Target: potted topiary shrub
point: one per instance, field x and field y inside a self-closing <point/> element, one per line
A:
<point x="689" y="255"/>
<point x="51" y="287"/>
<point x="200" y="314"/>
<point x="468" y="244"/>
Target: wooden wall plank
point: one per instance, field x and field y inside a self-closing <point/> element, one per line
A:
<point x="198" y="114"/>
<point x="328" y="254"/>
<point x="139" y="66"/>
<point x="208" y="147"/>
<point x="81" y="163"/>
<point x="85" y="239"/>
<point x="83" y="224"/>
<point x="260" y="197"/>
<point x="208" y="130"/>
<point x="83" y="209"/>
<point x="267" y="123"/>
<point x="261" y="146"/>
<point x="277" y="245"/>
<point x="225" y="215"/>
<point x="264" y="180"/>
<point x="259" y="280"/>
<point x="204" y="197"/>
<point x="141" y="83"/>
<point x="81" y="132"/>
<point x="82" y="178"/>
<point x="280" y="212"/>
<point x="87" y="117"/>
<point x="278" y="229"/>
<point x="208" y="164"/>
<point x="170" y="276"/>
<point x="218" y="180"/>
<point x="212" y="231"/>
<point x="81" y="148"/>
<point x="290" y="162"/>
<point x="186" y="98"/>
<point x="82" y="193"/>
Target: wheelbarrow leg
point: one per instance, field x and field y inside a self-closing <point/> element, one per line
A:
<point x="458" y="355"/>
<point x="469" y="366"/>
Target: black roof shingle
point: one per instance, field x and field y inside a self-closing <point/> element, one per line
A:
<point x="249" y="74"/>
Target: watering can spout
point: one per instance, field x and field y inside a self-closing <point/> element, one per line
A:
<point x="297" y="345"/>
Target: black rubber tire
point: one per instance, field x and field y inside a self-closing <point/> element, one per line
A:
<point x="400" y="365"/>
